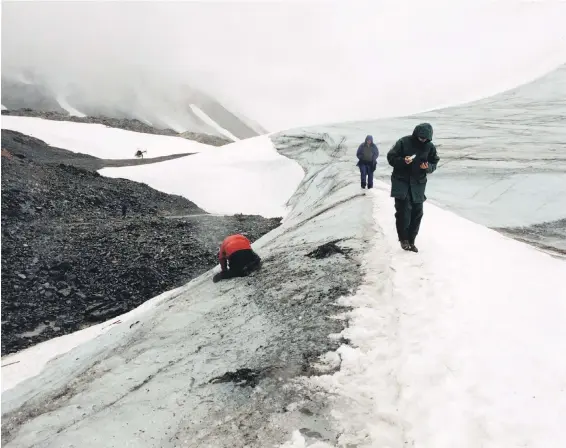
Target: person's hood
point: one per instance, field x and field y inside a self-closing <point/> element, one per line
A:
<point x="370" y="138"/>
<point x="423" y="130"/>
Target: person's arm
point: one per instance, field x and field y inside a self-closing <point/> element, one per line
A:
<point x="395" y="155"/>
<point x="432" y="159"/>
<point x="359" y="153"/>
<point x="375" y="151"/>
<point x="222" y="259"/>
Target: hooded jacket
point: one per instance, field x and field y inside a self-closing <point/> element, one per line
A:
<point x="411" y="177"/>
<point x="368" y="154"/>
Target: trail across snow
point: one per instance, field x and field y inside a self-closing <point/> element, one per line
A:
<point x="99" y="140"/>
<point x="461" y="345"/>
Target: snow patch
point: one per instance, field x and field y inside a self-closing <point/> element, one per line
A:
<point x="458" y="345"/>
<point x="65" y="105"/>
<point x="204" y="117"/>
<point x="248" y="177"/>
<point x="4" y="107"/>
<point x="298" y="441"/>
<point x="99" y="140"/>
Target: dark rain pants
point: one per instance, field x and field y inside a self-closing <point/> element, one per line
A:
<point x="240" y="264"/>
<point x="408" y="218"/>
<point x="366" y="173"/>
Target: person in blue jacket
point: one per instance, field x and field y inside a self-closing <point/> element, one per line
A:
<point x="367" y="161"/>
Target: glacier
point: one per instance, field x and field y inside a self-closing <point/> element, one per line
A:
<point x="456" y="346"/>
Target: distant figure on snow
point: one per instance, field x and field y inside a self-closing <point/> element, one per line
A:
<point x="412" y="158"/>
<point x="237" y="259"/>
<point x="140" y="153"/>
<point x="367" y="161"/>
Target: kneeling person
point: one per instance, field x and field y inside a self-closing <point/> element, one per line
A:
<point x="237" y="258"/>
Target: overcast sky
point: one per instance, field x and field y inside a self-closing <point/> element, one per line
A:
<point x="288" y="63"/>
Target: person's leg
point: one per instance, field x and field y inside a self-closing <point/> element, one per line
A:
<point x="253" y="264"/>
<point x="417" y="213"/>
<point x="370" y="177"/>
<point x="234" y="264"/>
<point x="402" y="220"/>
<point x="363" y="173"/>
<point x="243" y="262"/>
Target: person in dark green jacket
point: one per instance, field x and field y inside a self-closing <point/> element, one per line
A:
<point x="412" y="158"/>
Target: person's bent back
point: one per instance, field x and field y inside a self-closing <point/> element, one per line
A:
<point x="237" y="258"/>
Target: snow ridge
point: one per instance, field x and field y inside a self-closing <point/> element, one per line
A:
<point x="455" y="346"/>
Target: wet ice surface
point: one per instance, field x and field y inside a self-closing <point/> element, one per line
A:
<point x="503" y="159"/>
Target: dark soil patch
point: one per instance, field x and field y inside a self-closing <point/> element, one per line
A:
<point x="241" y="377"/>
<point x="327" y="250"/>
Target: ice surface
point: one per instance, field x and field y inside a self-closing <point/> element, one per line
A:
<point x="503" y="159"/>
<point x="31" y="361"/>
<point x="150" y="384"/>
<point x="247" y="177"/>
<point x="100" y="141"/>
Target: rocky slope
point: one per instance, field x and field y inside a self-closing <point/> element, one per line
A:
<point x="70" y="259"/>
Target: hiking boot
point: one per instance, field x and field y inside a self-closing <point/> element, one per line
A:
<point x="413" y="248"/>
<point x="363" y="186"/>
<point x="405" y="245"/>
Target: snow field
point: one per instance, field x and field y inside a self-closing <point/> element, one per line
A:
<point x="248" y="177"/>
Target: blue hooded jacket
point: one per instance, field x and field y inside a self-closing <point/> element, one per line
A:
<point x="374" y="152"/>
